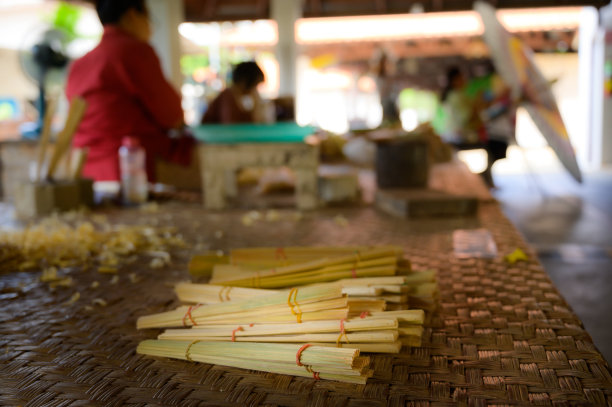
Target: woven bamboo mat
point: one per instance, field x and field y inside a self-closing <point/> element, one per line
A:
<point x="502" y="336"/>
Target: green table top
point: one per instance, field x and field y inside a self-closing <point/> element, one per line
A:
<point x="287" y="132"/>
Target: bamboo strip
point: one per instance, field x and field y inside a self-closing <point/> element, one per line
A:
<point x="381" y="336"/>
<point x="213" y="294"/>
<point x="45" y="135"/>
<point x="394" y="347"/>
<point x="282" y="329"/>
<point x="362" y="291"/>
<point x="404" y="317"/>
<point x="396" y="299"/>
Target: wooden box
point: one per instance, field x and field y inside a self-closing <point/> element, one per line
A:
<point x="416" y="203"/>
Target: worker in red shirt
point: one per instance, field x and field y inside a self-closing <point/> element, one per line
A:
<point x="126" y="93"/>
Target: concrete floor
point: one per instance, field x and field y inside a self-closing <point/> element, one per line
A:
<point x="570" y="226"/>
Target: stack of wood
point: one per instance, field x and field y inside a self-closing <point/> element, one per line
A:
<point x="339" y="300"/>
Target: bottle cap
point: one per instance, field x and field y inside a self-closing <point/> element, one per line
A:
<point x="130" y="141"/>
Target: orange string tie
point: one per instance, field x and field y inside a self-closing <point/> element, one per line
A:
<point x="298" y="355"/>
<point x="188" y="314"/>
<point x="308" y="368"/>
<point x="298" y="314"/>
<point x="188" y="350"/>
<point x="234" y="333"/>
<point x="364" y="314"/>
<point x="280" y="254"/>
<point x="354" y="273"/>
<point x="342" y="332"/>
<point x="251" y="325"/>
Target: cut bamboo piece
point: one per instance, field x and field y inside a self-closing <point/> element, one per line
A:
<point x="394" y="347"/>
<point x="395" y="299"/>
<point x="362" y="291"/>
<point x="412" y="316"/>
<point x="45" y="135"/>
<point x="410" y="330"/>
<point x="77" y="162"/>
<point x="64" y="138"/>
<point x="202" y="265"/>
<point x="367" y="305"/>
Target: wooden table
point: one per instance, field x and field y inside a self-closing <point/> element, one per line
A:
<point x="502" y="335"/>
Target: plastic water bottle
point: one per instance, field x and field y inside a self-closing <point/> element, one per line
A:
<point x="134" y="187"/>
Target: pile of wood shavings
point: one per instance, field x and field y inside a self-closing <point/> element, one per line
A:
<point x="78" y="240"/>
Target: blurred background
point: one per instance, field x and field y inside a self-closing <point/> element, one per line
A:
<point x="347" y="61"/>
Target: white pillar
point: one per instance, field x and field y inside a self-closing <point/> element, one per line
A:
<point x="286" y="13"/>
<point x="166" y="15"/>
<point x="589" y="20"/>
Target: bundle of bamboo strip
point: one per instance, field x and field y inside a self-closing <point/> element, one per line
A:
<point x="338" y="301"/>
<point x="319" y="362"/>
<point x="417" y="289"/>
<point x="297" y="305"/>
<point x="384" y="332"/>
<point x="366" y="263"/>
<point x="260" y="258"/>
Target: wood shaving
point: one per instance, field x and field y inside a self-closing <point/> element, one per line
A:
<point x="341" y="221"/>
<point x="114" y="280"/>
<point x="75" y="297"/>
<point x="77" y="239"/>
<point x="99" y="301"/>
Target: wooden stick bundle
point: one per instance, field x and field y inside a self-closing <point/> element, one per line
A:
<point x="259" y="258"/>
<point x="296" y="303"/>
<point x="367" y="263"/>
<point x="298" y="360"/>
<point x="339" y="305"/>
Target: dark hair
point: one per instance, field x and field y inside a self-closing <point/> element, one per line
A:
<point x="247" y="73"/>
<point x="451" y="74"/>
<point x="111" y="11"/>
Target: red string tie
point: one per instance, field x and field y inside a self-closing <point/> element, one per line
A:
<point x="280" y="253"/>
<point x="188" y="314"/>
<point x="298" y="356"/>
<point x="342" y="332"/>
<point x="234" y="333"/>
<point x="364" y="314"/>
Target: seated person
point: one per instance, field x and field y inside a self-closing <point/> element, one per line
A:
<point x="476" y="121"/>
<point x="127" y="95"/>
<point x="239" y="103"/>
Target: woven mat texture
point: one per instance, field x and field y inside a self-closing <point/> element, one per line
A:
<point x="502" y="335"/>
